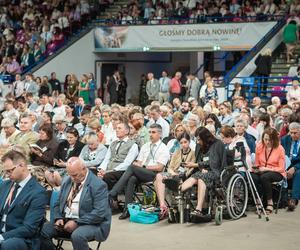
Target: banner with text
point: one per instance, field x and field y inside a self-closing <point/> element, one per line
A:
<point x="191" y="37"/>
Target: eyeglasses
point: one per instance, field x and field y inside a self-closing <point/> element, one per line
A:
<point x="9" y="171"/>
<point x="152" y="132"/>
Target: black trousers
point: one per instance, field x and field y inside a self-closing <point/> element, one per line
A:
<point x="111" y="178"/>
<point x="263" y="182"/>
<point x="132" y="176"/>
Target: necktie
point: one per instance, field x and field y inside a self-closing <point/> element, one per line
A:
<point x="73" y="194"/>
<point x="295" y="149"/>
<point x="10" y="199"/>
<point x="119" y="145"/>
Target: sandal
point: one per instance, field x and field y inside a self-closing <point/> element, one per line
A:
<point x="197" y="213"/>
<point x="269" y="209"/>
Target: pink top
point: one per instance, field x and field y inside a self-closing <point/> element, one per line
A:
<point x="175" y="86"/>
<point x="275" y="160"/>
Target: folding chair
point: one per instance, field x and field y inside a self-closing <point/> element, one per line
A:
<point x="60" y="241"/>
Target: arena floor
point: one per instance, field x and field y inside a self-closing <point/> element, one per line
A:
<point x="281" y="232"/>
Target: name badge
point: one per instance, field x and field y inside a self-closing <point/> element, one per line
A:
<point x="206" y="158"/>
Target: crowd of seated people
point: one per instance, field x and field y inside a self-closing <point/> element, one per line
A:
<point x="34" y="29"/>
<point x="71" y="143"/>
<point x="125" y="144"/>
<point x="168" y="12"/>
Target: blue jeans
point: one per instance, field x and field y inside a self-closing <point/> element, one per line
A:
<point x="296" y="185"/>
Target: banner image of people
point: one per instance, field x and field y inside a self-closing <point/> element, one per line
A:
<point x="110" y="37"/>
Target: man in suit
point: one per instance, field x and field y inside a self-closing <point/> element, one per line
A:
<point x="82" y="210"/>
<point x="113" y="87"/>
<point x="22" y="203"/>
<point x="291" y="143"/>
<point x="152" y="88"/>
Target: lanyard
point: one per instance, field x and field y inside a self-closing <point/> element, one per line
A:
<point x="151" y="153"/>
<point x="267" y="156"/>
<point x="185" y="154"/>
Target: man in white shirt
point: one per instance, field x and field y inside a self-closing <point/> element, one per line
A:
<point x="157" y="119"/>
<point x="82" y="210"/>
<point x="151" y="160"/>
<point x="119" y="156"/>
<point x="8" y="132"/>
<point x="82" y="127"/>
<point x="18" y="86"/>
<point x="44" y="105"/>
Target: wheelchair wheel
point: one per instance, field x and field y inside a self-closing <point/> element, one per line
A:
<point x="236" y="196"/>
<point x="219" y="215"/>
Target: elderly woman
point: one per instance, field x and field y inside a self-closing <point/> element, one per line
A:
<point x="293" y="93"/>
<point x="192" y="125"/>
<point x="93" y="152"/>
<point x="230" y="139"/>
<point x="240" y="126"/>
<point x="95" y="126"/>
<point x="182" y="155"/>
<point x="269" y="165"/>
<point x="211" y="160"/>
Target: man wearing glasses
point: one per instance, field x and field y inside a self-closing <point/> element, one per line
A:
<point x="22" y="204"/>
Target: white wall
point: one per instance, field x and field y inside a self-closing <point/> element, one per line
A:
<point x="250" y="67"/>
<point x="78" y="59"/>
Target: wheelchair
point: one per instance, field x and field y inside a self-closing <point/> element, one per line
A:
<point x="227" y="197"/>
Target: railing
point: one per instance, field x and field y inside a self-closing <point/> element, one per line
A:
<point x="264" y="87"/>
<point x="252" y="53"/>
<point x="187" y="20"/>
<point x="206" y="60"/>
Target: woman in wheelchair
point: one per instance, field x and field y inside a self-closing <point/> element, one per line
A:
<point x="231" y="140"/>
<point x="176" y="167"/>
<point x="211" y="160"/>
<point x="269" y="165"/>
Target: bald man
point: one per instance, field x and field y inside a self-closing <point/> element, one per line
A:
<point x="82" y="210"/>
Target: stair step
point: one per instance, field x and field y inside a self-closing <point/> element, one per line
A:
<point x="280" y="66"/>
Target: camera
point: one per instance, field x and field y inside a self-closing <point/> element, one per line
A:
<point x="241" y="149"/>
